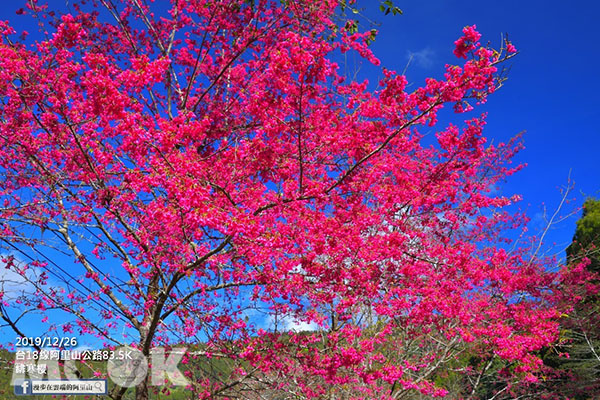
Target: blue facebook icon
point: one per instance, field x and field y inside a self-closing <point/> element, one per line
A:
<point x="22" y="387"/>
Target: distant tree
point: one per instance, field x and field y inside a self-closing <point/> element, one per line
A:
<point x="573" y="364"/>
<point x="571" y="367"/>
<point x="586" y="241"/>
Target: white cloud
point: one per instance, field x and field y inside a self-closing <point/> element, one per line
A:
<point x="290" y="323"/>
<point x="13" y="282"/>
<point x="424" y="58"/>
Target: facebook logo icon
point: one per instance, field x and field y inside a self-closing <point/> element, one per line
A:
<point x="22" y="387"/>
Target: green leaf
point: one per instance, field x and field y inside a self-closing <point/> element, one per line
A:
<point x="388" y="7"/>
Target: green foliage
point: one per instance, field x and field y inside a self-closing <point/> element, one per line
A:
<point x="388" y="7"/>
<point x="352" y="25"/>
<point x="580" y="333"/>
<point x="371" y="38"/>
<point x="586" y="241"/>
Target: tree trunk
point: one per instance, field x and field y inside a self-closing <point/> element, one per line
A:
<point x="141" y="390"/>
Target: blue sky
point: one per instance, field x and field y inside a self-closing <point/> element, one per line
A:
<point x="551" y="92"/>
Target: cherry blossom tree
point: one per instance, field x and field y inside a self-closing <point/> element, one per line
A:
<point x="204" y="174"/>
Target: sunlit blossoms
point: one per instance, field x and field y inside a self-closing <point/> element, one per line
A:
<point x="205" y="173"/>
